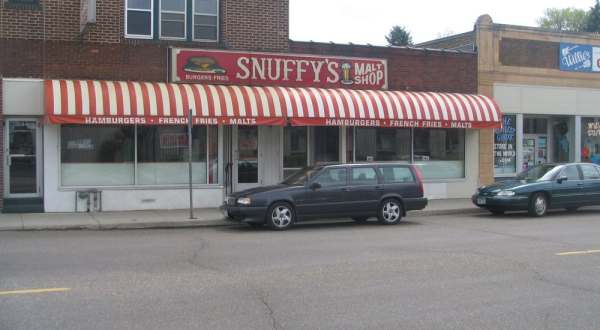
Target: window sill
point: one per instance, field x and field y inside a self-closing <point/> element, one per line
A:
<point x="139" y="187"/>
<point x="22" y="6"/>
<point x="455" y="180"/>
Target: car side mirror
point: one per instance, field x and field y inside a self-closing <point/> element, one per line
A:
<point x="315" y="186"/>
<point x="562" y="179"/>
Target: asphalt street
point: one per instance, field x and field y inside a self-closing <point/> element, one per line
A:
<point x="450" y="272"/>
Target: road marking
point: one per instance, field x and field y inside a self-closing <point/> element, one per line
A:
<point x="574" y="253"/>
<point x="6" y="293"/>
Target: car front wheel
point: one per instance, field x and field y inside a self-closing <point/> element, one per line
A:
<point x="538" y="205"/>
<point x="281" y="216"/>
<point x="390" y="212"/>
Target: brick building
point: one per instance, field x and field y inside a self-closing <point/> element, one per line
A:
<point x="547" y="85"/>
<point x="68" y="65"/>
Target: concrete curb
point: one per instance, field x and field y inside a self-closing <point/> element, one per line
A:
<point x="194" y="224"/>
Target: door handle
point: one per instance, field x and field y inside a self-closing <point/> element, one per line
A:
<point x="346" y="189"/>
<point x="378" y="187"/>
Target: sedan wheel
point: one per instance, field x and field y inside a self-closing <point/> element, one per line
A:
<point x="390" y="212"/>
<point x="538" y="205"/>
<point x="280" y="216"/>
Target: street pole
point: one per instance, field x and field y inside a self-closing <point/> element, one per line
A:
<point x="190" y="162"/>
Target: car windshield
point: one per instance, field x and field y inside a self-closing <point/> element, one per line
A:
<point x="539" y="173"/>
<point x="300" y="177"/>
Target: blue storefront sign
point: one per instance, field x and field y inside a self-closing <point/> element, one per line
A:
<point x="579" y="58"/>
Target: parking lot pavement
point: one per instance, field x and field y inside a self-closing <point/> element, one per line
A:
<point x="453" y="271"/>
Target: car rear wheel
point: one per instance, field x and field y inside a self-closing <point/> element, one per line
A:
<point x="390" y="212"/>
<point x="281" y="216"/>
<point x="538" y="205"/>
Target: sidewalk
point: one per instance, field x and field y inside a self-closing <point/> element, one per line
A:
<point x="170" y="218"/>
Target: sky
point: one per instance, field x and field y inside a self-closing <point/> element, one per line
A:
<point x="368" y="21"/>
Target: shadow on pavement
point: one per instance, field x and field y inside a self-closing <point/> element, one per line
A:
<point x="322" y="225"/>
<point x="551" y="214"/>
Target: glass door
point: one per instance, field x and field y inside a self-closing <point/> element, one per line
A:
<point x="22" y="178"/>
<point x="326" y="144"/>
<point x="246" y="165"/>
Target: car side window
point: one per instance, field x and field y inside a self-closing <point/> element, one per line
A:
<point x="571" y="172"/>
<point x="332" y="177"/>
<point x="364" y="176"/>
<point x="396" y="174"/>
<point x="590" y="172"/>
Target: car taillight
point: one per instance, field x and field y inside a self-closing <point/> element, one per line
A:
<point x="419" y="179"/>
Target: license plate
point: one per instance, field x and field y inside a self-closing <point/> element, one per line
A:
<point x="481" y="200"/>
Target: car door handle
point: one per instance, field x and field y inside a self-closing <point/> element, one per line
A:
<point x="378" y="187"/>
<point x="346" y="189"/>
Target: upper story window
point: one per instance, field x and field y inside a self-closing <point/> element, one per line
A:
<point x="172" y="19"/>
<point x="176" y="19"/>
<point x="206" y="20"/>
<point x="138" y="19"/>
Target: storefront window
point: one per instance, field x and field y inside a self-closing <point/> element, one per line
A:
<point x="562" y="140"/>
<point x="163" y="155"/>
<point x="327" y="141"/>
<point x="295" y="149"/>
<point x="590" y="140"/>
<point x="93" y="155"/>
<point x="97" y="155"/>
<point x="248" y="154"/>
<point x="350" y="144"/>
<point x="505" y="147"/>
<point x="382" y="144"/>
<point x="440" y="152"/>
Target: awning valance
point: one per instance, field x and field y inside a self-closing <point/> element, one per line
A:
<point x="108" y="102"/>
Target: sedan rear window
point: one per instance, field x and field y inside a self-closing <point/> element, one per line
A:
<point x="396" y="174"/>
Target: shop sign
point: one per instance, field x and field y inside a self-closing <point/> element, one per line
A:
<point x="593" y="129"/>
<point x="392" y="123"/>
<point x="137" y="120"/>
<point x="173" y="140"/>
<point x="505" y="153"/>
<point x="579" y="58"/>
<point x="271" y="69"/>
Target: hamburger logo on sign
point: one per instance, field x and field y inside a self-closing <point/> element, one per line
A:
<point x="268" y="69"/>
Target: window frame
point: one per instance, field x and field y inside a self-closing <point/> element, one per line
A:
<point x="185" y="21"/>
<point x="139" y="36"/>
<point x="593" y="166"/>
<point x="326" y="169"/>
<point x="136" y="185"/>
<point x="217" y="15"/>
<point x="358" y="183"/>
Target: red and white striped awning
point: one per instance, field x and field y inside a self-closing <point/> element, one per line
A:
<point x="109" y="102"/>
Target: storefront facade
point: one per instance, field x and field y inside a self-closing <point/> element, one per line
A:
<point x="79" y="140"/>
<point x="546" y="83"/>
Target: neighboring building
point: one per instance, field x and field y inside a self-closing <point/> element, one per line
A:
<point x="547" y="84"/>
<point x="94" y="98"/>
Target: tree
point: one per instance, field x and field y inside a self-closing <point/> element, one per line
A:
<point x="399" y="36"/>
<point x="565" y="19"/>
<point x="593" y="19"/>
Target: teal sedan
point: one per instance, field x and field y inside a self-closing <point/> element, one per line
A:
<point x="543" y="187"/>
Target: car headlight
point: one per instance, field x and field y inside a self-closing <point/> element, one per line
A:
<point x="506" y="193"/>
<point x="244" y="201"/>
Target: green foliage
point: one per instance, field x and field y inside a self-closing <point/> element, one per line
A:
<point x="564" y="19"/>
<point x="399" y="36"/>
<point x="593" y="19"/>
